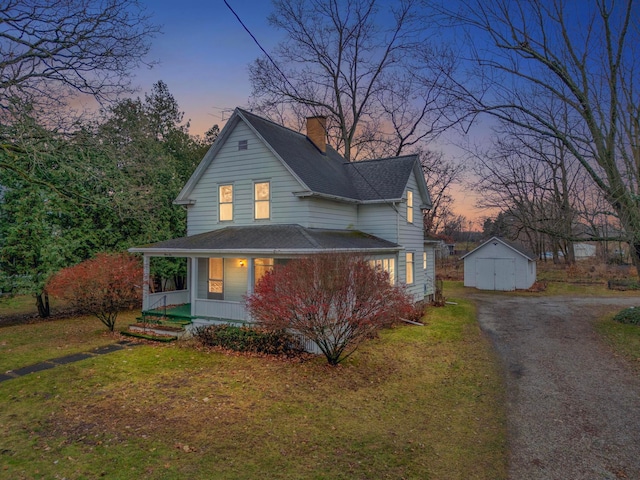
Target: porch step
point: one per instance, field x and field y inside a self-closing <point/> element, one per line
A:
<point x="164" y="332"/>
<point x="159" y="319"/>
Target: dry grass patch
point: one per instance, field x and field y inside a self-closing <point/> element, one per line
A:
<point x="419" y="402"/>
<point x="22" y="345"/>
<point x="623" y="338"/>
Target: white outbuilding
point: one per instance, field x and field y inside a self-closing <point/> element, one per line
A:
<point x="499" y="264"/>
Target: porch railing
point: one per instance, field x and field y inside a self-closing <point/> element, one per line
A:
<point x="156" y="300"/>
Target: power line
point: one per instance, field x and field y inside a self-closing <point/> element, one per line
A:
<point x="305" y="104"/>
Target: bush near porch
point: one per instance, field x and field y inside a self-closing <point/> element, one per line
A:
<point x="417" y="402"/>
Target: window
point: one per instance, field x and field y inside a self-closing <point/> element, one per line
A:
<point x="260" y="267"/>
<point x="226" y="202"/>
<point x="386" y="265"/>
<point x="243" y="144"/>
<point x="216" y="278"/>
<point x="424" y="260"/>
<point x="409" y="206"/>
<point x="409" y="279"/>
<point x="262" y="200"/>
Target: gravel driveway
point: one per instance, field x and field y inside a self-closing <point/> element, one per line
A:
<point x="573" y="408"/>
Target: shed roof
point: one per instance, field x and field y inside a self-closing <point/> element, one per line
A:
<point x="516" y="247"/>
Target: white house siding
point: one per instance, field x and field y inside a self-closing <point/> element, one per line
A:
<point x="379" y="220"/>
<point x="411" y="237"/>
<point x="329" y="214"/>
<point x="242" y="168"/>
<point x="235" y="280"/>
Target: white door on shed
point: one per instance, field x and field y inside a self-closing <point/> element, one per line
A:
<point x="496" y="274"/>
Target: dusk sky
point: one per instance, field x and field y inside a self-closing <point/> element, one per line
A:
<point x="204" y="53"/>
<point x="203" y="56"/>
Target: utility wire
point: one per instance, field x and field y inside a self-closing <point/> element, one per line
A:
<point x="308" y="106"/>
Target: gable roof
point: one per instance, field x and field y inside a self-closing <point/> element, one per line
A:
<point x="269" y="239"/>
<point x="324" y="174"/>
<point x="516" y="247"/>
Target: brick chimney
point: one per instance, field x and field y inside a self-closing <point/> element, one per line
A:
<point x="317" y="132"/>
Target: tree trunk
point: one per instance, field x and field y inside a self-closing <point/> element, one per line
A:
<point x="42" y="302"/>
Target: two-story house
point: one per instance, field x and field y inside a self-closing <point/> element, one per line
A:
<point x="264" y="193"/>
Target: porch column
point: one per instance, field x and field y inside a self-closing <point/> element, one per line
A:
<point x="250" y="275"/>
<point x="193" y="283"/>
<point x="146" y="267"/>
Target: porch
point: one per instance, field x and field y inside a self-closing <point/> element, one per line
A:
<point x="205" y="312"/>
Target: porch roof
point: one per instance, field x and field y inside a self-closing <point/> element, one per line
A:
<point x="271" y="239"/>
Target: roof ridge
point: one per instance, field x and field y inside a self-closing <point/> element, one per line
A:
<point x="264" y="119"/>
<point x="399" y="157"/>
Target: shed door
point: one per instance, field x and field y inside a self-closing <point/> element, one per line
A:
<point x="496" y="274"/>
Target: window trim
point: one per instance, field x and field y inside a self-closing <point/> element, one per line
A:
<point x="221" y="203"/>
<point x="267" y="265"/>
<point x="210" y="278"/>
<point x="386" y="264"/>
<point x="409" y="206"/>
<point x="409" y="273"/>
<point x="256" y="201"/>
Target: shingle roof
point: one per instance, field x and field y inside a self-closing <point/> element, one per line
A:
<point x="269" y="238"/>
<point x="330" y="173"/>
<point x="383" y="178"/>
<point x="519" y="248"/>
<point x="323" y="173"/>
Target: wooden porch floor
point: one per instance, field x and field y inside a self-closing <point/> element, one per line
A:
<point x="182" y="314"/>
<point x="175" y="313"/>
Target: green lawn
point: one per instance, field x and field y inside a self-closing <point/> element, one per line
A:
<point x="418" y="402"/>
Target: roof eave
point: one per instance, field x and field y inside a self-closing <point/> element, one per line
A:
<point x="200" y="252"/>
<point x="311" y="193"/>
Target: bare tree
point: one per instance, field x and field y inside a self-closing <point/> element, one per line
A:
<point x="357" y="62"/>
<point x="441" y="175"/>
<point x="54" y="50"/>
<point x="50" y="49"/>
<point x="581" y="54"/>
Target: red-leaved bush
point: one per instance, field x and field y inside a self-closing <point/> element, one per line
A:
<point x="337" y="301"/>
<point x="101" y="286"/>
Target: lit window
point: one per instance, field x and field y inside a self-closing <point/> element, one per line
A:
<point x="409" y="206"/>
<point x="226" y="202"/>
<point x="409" y="257"/>
<point x="385" y="265"/>
<point x="216" y="278"/>
<point x="261" y="266"/>
<point x="424" y="260"/>
<point x="262" y="200"/>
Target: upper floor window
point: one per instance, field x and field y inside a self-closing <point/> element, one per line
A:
<point x="409" y="206"/>
<point x="243" y="144"/>
<point x="424" y="260"/>
<point x="409" y="279"/>
<point x="226" y="202"/>
<point x="262" y="199"/>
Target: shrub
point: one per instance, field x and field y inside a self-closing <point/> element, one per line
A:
<point x="623" y="284"/>
<point x="101" y="286"/>
<point x="248" y="339"/>
<point x="629" y="315"/>
<point x="336" y="301"/>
